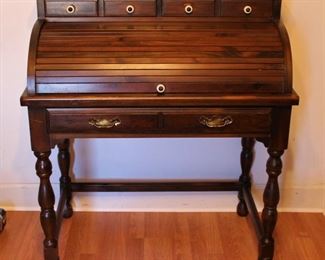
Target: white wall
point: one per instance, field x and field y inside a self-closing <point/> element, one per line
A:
<point x="302" y="183"/>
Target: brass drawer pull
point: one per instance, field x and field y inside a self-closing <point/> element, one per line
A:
<point x="188" y="9"/>
<point x="248" y="9"/>
<point x="105" y="123"/>
<point x="70" y="9"/>
<point x="130" y="9"/>
<point x="216" y="122"/>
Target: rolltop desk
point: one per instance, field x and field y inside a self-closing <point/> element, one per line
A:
<point x="159" y="68"/>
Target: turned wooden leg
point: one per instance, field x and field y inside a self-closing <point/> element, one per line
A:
<point x="246" y="161"/>
<point x="65" y="180"/>
<point x="46" y="201"/>
<point x="271" y="199"/>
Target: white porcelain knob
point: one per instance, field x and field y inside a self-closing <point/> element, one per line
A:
<point x="248" y="9"/>
<point x="70" y="9"/>
<point x="160" y="88"/>
<point x="188" y="9"/>
<point x="130" y="9"/>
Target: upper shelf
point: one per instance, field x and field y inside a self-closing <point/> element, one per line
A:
<point x="164" y="8"/>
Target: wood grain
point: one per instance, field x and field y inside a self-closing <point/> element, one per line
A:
<point x="177" y="8"/>
<point x="236" y="8"/>
<point x="167" y="236"/>
<point x="150" y="121"/>
<point x="141" y="7"/>
<point x="203" y="57"/>
<point x="161" y="76"/>
<point x="82" y="8"/>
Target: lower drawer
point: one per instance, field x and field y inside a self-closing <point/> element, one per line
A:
<point x="140" y="121"/>
<point x="226" y="121"/>
<point x="102" y="120"/>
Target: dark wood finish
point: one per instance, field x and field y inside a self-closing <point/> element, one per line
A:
<point x="3" y="219"/>
<point x="61" y="210"/>
<point x="217" y="7"/>
<point x="271" y="199"/>
<point x="277" y="9"/>
<point x="40" y="139"/>
<point x="280" y="128"/>
<point x="246" y="161"/>
<point x="71" y="8"/>
<point x="149" y="121"/>
<point x="252" y="210"/>
<point x="260" y="8"/>
<point x="41" y="9"/>
<point x="186" y="57"/>
<point x="287" y="53"/>
<point x="156" y="186"/>
<point x="225" y="8"/>
<point x="65" y="180"/>
<point x="145" y="68"/>
<point x="46" y="201"/>
<point x="32" y="55"/>
<point x="197" y="8"/>
<point x="132" y="100"/>
<point x="101" y="8"/>
<point x="140" y="7"/>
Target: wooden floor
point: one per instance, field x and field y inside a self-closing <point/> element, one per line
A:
<point x="163" y="236"/>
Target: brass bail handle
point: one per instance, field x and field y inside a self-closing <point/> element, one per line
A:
<point x="105" y="123"/>
<point x="216" y="122"/>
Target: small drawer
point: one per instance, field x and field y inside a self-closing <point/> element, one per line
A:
<point x="102" y="120"/>
<point x="188" y="8"/>
<point x="228" y="121"/>
<point x="130" y="8"/>
<point x="71" y="8"/>
<point x="249" y="8"/>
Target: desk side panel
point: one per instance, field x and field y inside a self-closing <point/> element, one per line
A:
<point x="32" y="55"/>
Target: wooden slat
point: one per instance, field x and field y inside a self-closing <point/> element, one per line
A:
<point x="230" y="54"/>
<point x="131" y="57"/>
<point x="171" y="88"/>
<point x="140" y="79"/>
<point x="166" y="33"/>
<point x="63" y="44"/>
<point x="71" y="45"/>
<point x="156" y="60"/>
<point x="152" y="66"/>
<point x="105" y="73"/>
<point x="158" y="25"/>
<point x="160" y="48"/>
<point x="155" y="186"/>
<point x="172" y="33"/>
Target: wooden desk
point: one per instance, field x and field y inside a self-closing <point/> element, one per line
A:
<point x="103" y="69"/>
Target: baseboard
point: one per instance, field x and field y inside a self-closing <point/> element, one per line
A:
<point x="293" y="199"/>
